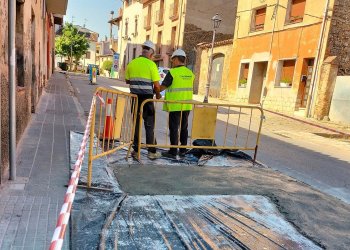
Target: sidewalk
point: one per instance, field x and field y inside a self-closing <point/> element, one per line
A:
<point x="277" y="117"/>
<point x="30" y="205"/>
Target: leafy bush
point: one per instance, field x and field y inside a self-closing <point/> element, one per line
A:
<point x="107" y="65"/>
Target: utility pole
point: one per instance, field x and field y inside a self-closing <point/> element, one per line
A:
<point x="111" y="31"/>
<point x="216" y="24"/>
<point x="12" y="89"/>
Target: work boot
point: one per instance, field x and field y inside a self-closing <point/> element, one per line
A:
<point x="182" y="152"/>
<point x="134" y="154"/>
<point x="154" y="156"/>
<point x="168" y="154"/>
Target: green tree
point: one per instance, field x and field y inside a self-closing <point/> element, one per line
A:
<point x="107" y="65"/>
<point x="71" y="44"/>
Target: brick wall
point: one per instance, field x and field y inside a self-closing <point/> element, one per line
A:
<point x="339" y="37"/>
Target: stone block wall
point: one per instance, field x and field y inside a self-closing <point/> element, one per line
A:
<point x="201" y="67"/>
<point x="194" y="35"/>
<point x="339" y="36"/>
<point x="328" y="77"/>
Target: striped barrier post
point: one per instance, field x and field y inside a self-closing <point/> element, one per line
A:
<point x="63" y="218"/>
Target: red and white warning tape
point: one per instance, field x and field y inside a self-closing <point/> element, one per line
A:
<point x="63" y="218"/>
<point x="100" y="97"/>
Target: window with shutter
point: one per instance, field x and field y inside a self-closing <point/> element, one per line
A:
<point x="297" y="11"/>
<point x="260" y="15"/>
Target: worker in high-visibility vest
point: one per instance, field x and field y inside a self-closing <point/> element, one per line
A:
<point x="143" y="78"/>
<point x="178" y="86"/>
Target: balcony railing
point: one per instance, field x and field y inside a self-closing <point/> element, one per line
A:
<point x="160" y="17"/>
<point x="174" y="11"/>
<point x="295" y="19"/>
<point x="147" y="22"/>
<point x="258" y="27"/>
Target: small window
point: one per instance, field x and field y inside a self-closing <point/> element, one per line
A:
<point x="285" y="73"/>
<point x="136" y="24"/>
<point x="296" y="11"/>
<point x="88" y="55"/>
<point x="243" y="77"/>
<point x="173" y="37"/>
<point x="258" y="21"/>
<point x="133" y="53"/>
<point x="159" y="43"/>
<point x="126" y="27"/>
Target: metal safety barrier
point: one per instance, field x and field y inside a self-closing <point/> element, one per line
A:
<point x="113" y="123"/>
<point x="230" y="127"/>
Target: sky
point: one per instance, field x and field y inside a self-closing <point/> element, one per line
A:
<point x="94" y="13"/>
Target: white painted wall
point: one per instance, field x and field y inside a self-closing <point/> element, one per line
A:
<point x="340" y="107"/>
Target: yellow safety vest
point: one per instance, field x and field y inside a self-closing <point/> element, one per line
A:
<point x="142" y="72"/>
<point x="181" y="89"/>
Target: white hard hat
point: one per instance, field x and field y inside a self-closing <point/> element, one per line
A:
<point x="178" y="52"/>
<point x="150" y="45"/>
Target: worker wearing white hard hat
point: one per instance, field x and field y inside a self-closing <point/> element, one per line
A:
<point x="149" y="45"/>
<point x="143" y="78"/>
<point x="178" y="52"/>
<point x="178" y="86"/>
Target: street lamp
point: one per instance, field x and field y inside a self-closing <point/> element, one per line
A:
<point x="216" y="24"/>
<point x="111" y="31"/>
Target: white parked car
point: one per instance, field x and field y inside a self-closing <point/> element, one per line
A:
<point x="162" y="73"/>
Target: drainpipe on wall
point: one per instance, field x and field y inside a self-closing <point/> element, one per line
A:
<point x="275" y="17"/>
<point x="310" y="103"/>
<point x="180" y="16"/>
<point x="12" y="85"/>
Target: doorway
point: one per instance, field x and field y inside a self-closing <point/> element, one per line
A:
<point x="305" y="83"/>
<point x="216" y="75"/>
<point x="257" y="82"/>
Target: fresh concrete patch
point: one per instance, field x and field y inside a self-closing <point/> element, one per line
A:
<point x="202" y="222"/>
<point x="319" y="217"/>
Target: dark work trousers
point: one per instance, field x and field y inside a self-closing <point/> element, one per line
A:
<point x="149" y="119"/>
<point x="174" y="126"/>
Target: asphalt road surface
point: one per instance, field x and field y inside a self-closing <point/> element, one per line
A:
<point x="291" y="147"/>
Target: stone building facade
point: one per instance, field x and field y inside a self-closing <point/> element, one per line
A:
<point x="221" y="65"/>
<point x="171" y="24"/>
<point x="339" y="36"/>
<point x="336" y="57"/>
<point x="287" y="54"/>
<point x="35" y="22"/>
